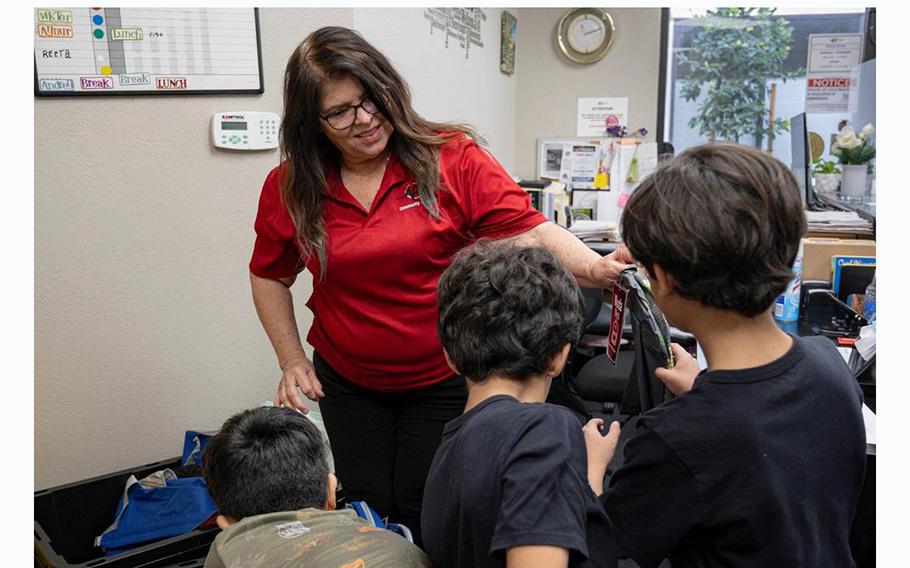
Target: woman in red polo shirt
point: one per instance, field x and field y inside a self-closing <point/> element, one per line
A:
<point x="374" y="200"/>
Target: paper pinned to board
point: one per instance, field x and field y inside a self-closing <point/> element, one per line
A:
<point x="610" y="204"/>
<point x="596" y="113"/>
<point x="555" y="156"/>
<point x="583" y="165"/>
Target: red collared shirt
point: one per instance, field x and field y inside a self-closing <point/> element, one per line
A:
<point x="375" y="312"/>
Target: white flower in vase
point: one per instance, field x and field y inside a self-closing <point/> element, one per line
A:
<point x="847" y="138"/>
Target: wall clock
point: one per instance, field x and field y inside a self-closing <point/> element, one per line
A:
<point x="584" y="35"/>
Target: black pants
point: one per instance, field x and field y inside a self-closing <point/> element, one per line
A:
<point x="383" y="443"/>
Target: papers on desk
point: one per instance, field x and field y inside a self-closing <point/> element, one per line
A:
<point x="837" y="222"/>
<point x="847" y="218"/>
<point x="869" y="423"/>
<point x="595" y="230"/>
<point x="846" y="353"/>
<point x="866" y="342"/>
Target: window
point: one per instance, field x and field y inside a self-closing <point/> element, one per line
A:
<point x="725" y="70"/>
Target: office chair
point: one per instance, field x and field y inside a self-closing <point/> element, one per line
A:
<point x="561" y="389"/>
<point x="629" y="386"/>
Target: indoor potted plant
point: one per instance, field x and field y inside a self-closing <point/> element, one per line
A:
<point x="827" y="176"/>
<point x="854" y="151"/>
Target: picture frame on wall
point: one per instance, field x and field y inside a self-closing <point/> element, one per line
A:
<point x="509" y="32"/>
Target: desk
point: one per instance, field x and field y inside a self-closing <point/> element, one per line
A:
<point x="862" y="535"/>
<point x="804" y="328"/>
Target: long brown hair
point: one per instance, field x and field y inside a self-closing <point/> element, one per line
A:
<point x="330" y="53"/>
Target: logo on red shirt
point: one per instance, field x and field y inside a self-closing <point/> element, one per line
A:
<point x="411" y="192"/>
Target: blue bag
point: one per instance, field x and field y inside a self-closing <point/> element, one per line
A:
<point x="160" y="506"/>
<point x="366" y="513"/>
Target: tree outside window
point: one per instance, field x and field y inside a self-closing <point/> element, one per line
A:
<point x="732" y="55"/>
<point x="729" y="68"/>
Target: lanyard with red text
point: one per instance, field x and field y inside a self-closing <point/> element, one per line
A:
<point x="619" y="306"/>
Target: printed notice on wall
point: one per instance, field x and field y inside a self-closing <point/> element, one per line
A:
<point x="832" y="58"/>
<point x="596" y="114"/>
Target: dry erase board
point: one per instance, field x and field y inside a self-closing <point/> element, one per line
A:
<point x="145" y="51"/>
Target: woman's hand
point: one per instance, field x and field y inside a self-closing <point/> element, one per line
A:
<point x="622" y="255"/>
<point x="681" y="377"/>
<point x="298" y="373"/>
<point x="600" y="451"/>
<point x="605" y="271"/>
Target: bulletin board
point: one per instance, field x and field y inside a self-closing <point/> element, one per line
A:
<point x="147" y="51"/>
<point x="555" y="159"/>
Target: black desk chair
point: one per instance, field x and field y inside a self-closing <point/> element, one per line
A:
<point x="562" y="389"/>
<point x="598" y="380"/>
<point x="629" y="386"/>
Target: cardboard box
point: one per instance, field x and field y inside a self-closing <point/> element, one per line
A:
<point x="817" y="253"/>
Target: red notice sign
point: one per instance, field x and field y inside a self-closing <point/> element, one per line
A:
<point x="619" y="306"/>
<point x="828" y="82"/>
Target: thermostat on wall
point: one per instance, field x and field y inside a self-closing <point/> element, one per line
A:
<point x="245" y="130"/>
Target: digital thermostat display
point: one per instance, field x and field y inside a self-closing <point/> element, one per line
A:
<point x="245" y="130"/>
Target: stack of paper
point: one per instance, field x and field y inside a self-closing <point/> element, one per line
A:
<point x="595" y="230"/>
<point x="866" y="342"/>
<point x="837" y="222"/>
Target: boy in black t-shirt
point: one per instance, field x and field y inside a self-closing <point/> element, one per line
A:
<point x="508" y="484"/>
<point x="760" y="460"/>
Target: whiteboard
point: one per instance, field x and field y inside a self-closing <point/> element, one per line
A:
<point x="145" y="51"/>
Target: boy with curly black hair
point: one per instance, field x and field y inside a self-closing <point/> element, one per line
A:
<point x="508" y="484"/>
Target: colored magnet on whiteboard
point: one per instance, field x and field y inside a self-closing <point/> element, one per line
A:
<point x="98" y="34"/>
<point x="97" y="19"/>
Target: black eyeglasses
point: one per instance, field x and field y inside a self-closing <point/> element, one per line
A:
<point x="345" y="117"/>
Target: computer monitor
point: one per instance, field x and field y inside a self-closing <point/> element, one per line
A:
<point x="801" y="162"/>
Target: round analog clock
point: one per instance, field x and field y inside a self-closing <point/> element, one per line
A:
<point x="584" y="35"/>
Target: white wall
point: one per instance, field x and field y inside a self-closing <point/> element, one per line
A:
<point x="549" y="86"/>
<point x="144" y="326"/>
<point x="444" y="84"/>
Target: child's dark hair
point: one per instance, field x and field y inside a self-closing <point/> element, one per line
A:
<point x="266" y="460"/>
<point x="507" y="310"/>
<point x="724" y="220"/>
